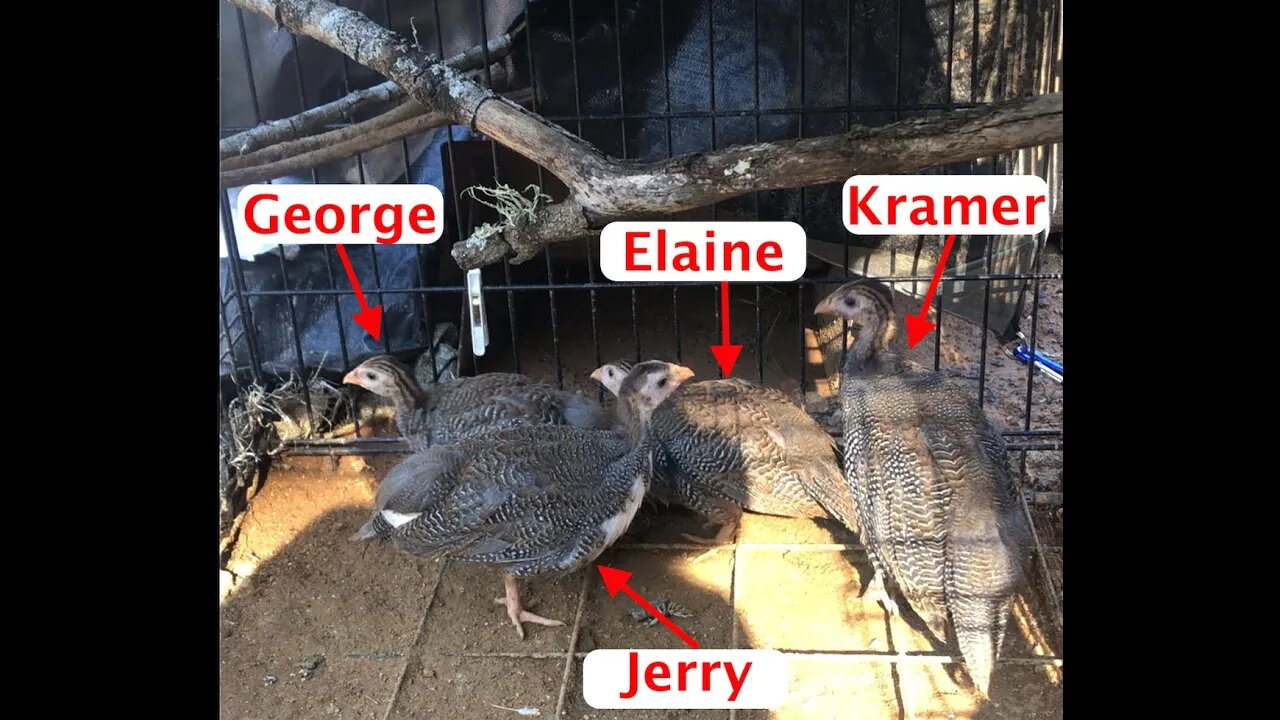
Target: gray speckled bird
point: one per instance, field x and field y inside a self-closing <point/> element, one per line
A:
<point x="449" y="411"/>
<point x="729" y="445"/>
<point x="929" y="477"/>
<point x="533" y="500"/>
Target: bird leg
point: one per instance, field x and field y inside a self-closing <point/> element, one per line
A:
<point x="725" y="536"/>
<point x="727" y="512"/>
<point x="517" y="613"/>
<point x="877" y="592"/>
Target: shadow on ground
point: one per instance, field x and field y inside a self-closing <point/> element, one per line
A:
<point x="317" y="626"/>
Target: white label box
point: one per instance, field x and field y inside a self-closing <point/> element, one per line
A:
<point x="685" y="679"/>
<point x="945" y="204"/>
<point x="327" y="214"/>
<point x="702" y="251"/>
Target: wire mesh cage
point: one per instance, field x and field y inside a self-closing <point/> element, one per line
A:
<point x="648" y="80"/>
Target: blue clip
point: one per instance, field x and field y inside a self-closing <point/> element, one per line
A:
<point x="1046" y="365"/>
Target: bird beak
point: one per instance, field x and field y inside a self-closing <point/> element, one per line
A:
<point x="351" y="378"/>
<point x="597" y="375"/>
<point x="682" y="373"/>
<point x="826" y="307"/>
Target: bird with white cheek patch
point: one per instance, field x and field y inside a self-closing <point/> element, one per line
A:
<point x="729" y="444"/>
<point x="531" y="501"/>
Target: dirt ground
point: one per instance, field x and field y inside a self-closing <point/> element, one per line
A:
<point x="400" y="637"/>
<point x="314" y="625"/>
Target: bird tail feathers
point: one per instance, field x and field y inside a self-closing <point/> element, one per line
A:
<point x="979" y="627"/>
<point x="366" y="532"/>
<point x="376" y="526"/>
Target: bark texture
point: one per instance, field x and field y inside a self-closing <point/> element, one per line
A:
<point x="603" y="189"/>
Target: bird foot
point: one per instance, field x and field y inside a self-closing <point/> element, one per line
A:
<point x="523" y="616"/>
<point x="702" y="556"/>
<point x="876" y="592"/>
<point x="519" y="615"/>
<point x="698" y="540"/>
<point x="727" y="536"/>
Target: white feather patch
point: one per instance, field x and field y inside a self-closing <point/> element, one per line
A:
<point x="397" y="519"/>
<point x="618" y="524"/>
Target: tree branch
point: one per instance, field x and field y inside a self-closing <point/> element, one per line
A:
<point x="400" y="113"/>
<point x="603" y="188"/>
<point x="358" y="138"/>
<point x="305" y="153"/>
<point x="311" y="121"/>
<point x="700" y="179"/>
<point x="307" y="122"/>
<point x="524" y="238"/>
<point x="437" y="86"/>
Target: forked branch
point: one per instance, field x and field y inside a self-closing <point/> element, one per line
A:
<point x="314" y="120"/>
<point x="603" y="189"/>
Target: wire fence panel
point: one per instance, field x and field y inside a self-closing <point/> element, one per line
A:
<point x="648" y="80"/>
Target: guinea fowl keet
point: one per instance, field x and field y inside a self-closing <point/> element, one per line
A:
<point x="728" y="445"/>
<point x="532" y="500"/>
<point x="449" y="411"/>
<point x="929" y="478"/>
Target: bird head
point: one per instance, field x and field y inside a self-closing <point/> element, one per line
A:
<point x="647" y="385"/>
<point x="385" y="376"/>
<point x="612" y="374"/>
<point x="865" y="303"/>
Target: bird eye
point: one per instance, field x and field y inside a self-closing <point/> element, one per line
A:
<point x="849" y="301"/>
<point x="662" y="383"/>
<point x="370" y="376"/>
<point x="609" y="372"/>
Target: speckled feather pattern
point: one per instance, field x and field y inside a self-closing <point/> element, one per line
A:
<point x="727" y="445"/>
<point x="533" y="500"/>
<point x="937" y="503"/>
<point x="470" y="406"/>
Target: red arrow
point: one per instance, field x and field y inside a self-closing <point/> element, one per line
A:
<point x="726" y="354"/>
<point x="615" y="580"/>
<point x="369" y="318"/>
<point x="917" y="325"/>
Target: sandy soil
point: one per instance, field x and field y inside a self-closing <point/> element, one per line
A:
<point x="402" y="637"/>
<point x="386" y="635"/>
